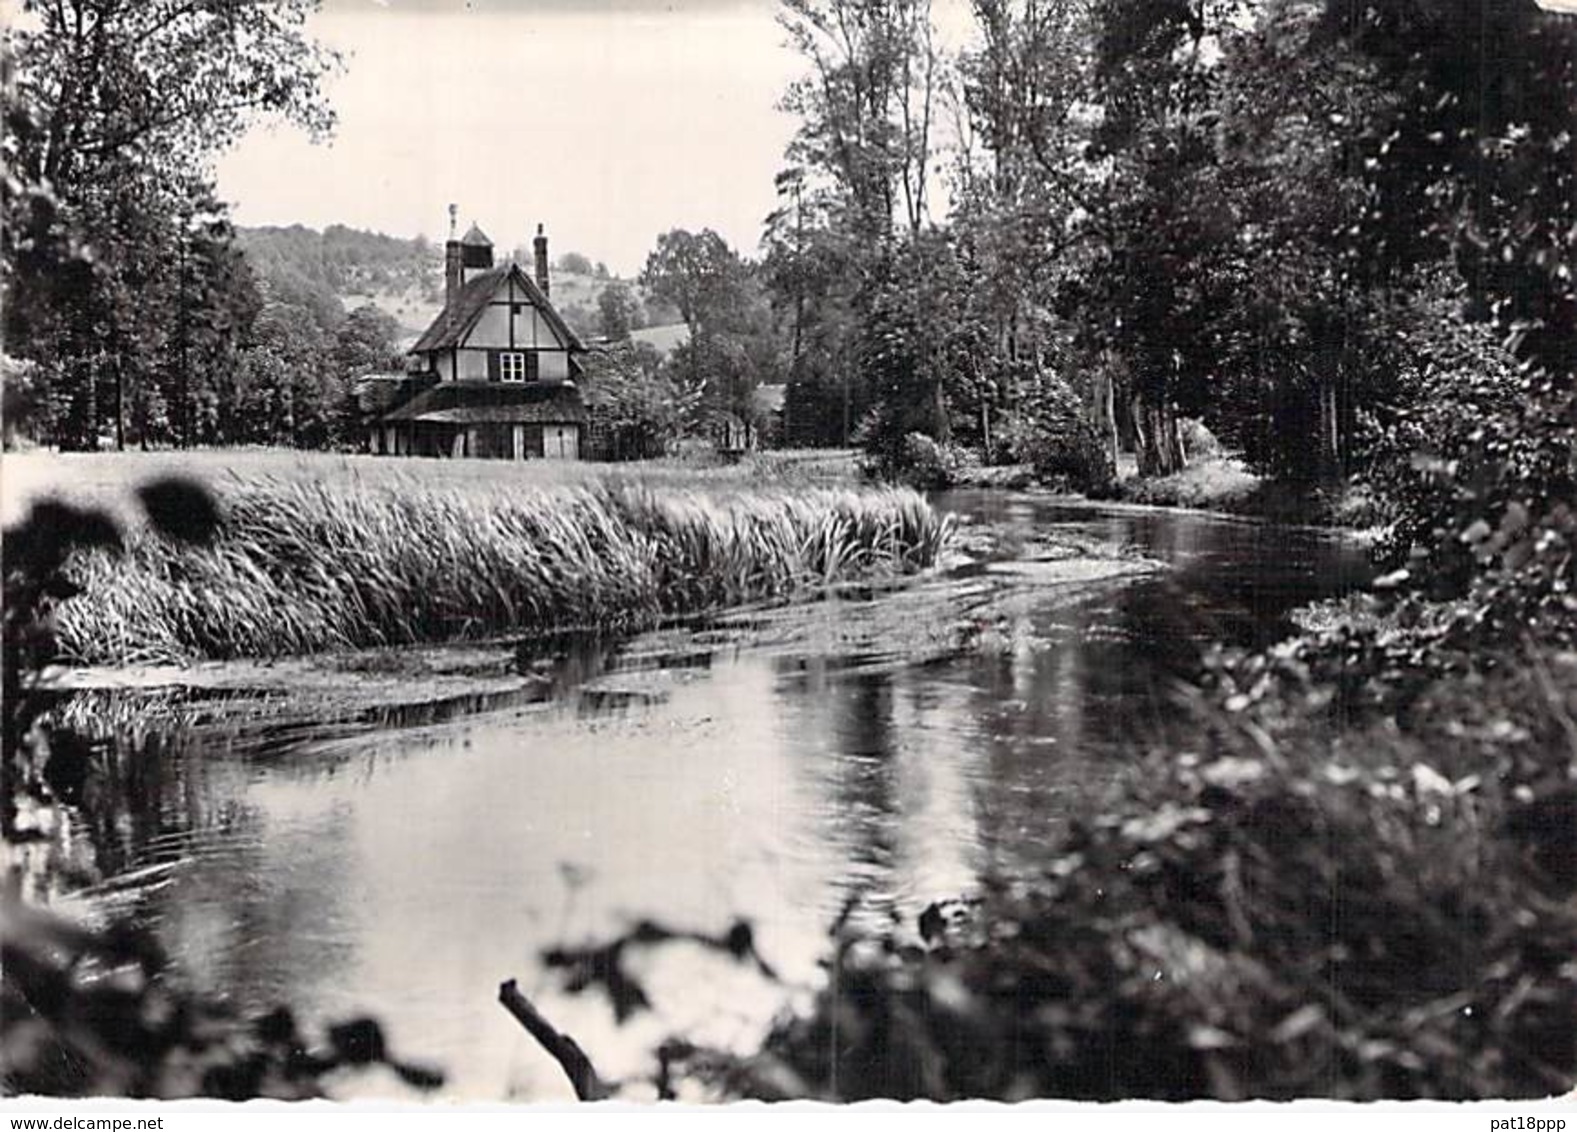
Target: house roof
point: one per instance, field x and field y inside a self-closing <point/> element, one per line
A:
<point x="476" y="237"/>
<point x="483" y="402"/>
<point x="455" y="319"/>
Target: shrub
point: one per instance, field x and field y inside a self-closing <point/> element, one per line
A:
<point x="1476" y="466"/>
<point x="636" y="412"/>
<point x="89" y="1013"/>
<point x="923" y="463"/>
<point x="1053" y="436"/>
<point x="1198" y="441"/>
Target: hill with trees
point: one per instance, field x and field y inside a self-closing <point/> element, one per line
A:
<point x="403" y="277"/>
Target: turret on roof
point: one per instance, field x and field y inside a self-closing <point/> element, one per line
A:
<point x="476" y="238"/>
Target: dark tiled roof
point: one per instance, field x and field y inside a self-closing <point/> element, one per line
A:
<point x="461" y="402"/>
<point x="379" y="392"/>
<point x="455" y="319"/>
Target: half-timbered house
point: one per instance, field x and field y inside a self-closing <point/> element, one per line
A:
<point x="494" y="375"/>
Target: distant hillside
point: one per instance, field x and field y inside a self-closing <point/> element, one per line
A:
<point x="402" y="277"/>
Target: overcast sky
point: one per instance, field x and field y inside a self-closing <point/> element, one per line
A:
<point x="607" y="120"/>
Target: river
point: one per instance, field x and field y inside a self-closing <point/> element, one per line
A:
<point x="878" y="751"/>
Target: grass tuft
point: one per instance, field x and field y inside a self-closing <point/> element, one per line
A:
<point x="302" y="567"/>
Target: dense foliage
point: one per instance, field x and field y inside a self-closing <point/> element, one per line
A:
<point x="637" y="410"/>
<point x="731" y="350"/>
<point x="122" y="279"/>
<point x="1226" y="211"/>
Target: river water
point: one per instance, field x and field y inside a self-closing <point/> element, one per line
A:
<point x="878" y="751"/>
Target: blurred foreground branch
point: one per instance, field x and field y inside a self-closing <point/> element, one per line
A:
<point x="563" y="1048"/>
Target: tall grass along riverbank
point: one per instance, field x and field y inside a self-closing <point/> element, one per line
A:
<point x="303" y="567"/>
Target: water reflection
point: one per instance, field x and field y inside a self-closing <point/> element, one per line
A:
<point x="410" y="859"/>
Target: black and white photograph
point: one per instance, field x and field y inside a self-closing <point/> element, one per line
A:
<point x="691" y="552"/>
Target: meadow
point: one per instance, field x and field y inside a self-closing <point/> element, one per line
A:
<point x="106" y="479"/>
<point x="324" y="552"/>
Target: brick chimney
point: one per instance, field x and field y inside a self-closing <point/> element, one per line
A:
<point x="454" y="270"/>
<point x="540" y="246"/>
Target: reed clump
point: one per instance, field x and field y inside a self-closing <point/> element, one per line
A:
<point x="304" y="567"/>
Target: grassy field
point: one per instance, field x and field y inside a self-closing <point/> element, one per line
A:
<point x="319" y="552"/>
<point x="107" y="479"/>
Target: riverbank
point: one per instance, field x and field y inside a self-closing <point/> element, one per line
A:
<point x="1223" y="484"/>
<point x="1211" y="484"/>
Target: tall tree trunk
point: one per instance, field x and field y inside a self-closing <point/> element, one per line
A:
<point x="120" y="403"/>
<point x="1104" y="397"/>
<point x="1329" y="447"/>
<point x="943" y="426"/>
<point x="1160" y="448"/>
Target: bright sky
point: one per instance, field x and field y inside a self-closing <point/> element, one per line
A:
<point x="609" y="121"/>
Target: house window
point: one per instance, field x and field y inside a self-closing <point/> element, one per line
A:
<point x="512" y="367"/>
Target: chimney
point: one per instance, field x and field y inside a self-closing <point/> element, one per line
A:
<point x="540" y="246"/>
<point x="454" y="272"/>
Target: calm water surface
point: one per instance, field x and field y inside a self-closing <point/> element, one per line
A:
<point x="891" y="750"/>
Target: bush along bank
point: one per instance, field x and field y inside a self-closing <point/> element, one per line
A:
<point x="302" y="568"/>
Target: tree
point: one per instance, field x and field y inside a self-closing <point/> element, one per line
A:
<point x="636" y="411"/>
<point x="365" y="342"/>
<point x="162" y="83"/>
<point x="117" y="109"/>
<point x="858" y="178"/>
<point x="812" y="271"/>
<point x="1024" y="194"/>
<point x="867" y="110"/>
<point x="698" y="273"/>
<point x="1474" y="159"/>
<point x="619" y="311"/>
<point x="732" y="348"/>
<point x="1161" y="211"/>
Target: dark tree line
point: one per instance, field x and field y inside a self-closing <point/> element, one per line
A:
<point x="1257" y="214"/>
